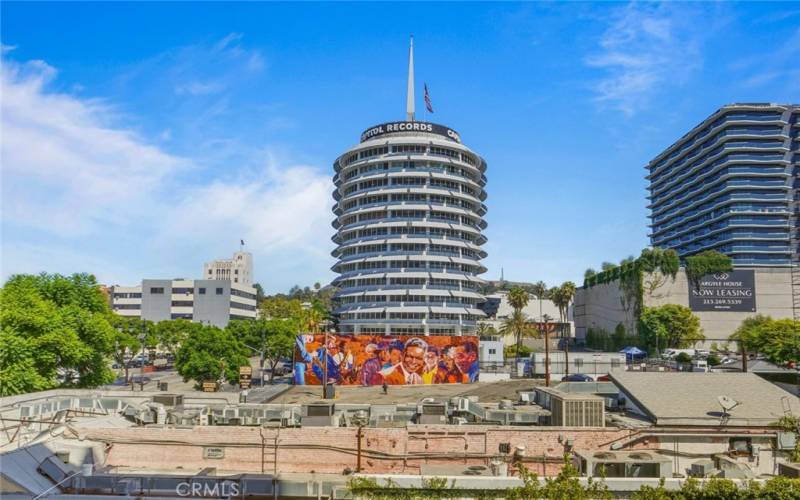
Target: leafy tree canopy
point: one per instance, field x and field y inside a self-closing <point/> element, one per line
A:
<point x="172" y="334"/>
<point x="778" y="340"/>
<point x="669" y="325"/>
<point x="56" y="330"/>
<point x="273" y="337"/>
<point x="707" y="262"/>
<point x="518" y="298"/>
<point x="211" y="354"/>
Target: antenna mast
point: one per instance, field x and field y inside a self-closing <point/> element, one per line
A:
<point x="410" y="95"/>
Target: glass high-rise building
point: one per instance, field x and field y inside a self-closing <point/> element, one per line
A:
<point x="731" y="185"/>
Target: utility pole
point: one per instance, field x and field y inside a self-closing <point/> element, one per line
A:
<point x="546" y="320"/>
<point x="142" y="337"/>
<point x="325" y="368"/>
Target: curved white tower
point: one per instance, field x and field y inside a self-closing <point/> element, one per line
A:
<point x="409" y="216"/>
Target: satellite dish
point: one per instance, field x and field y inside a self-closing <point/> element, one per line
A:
<point x="727" y="403"/>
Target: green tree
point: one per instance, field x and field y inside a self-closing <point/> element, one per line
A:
<point x="272" y="339"/>
<point x="707" y="262"/>
<point x="607" y="266"/>
<point x="779" y="341"/>
<point x="562" y="296"/>
<point x="211" y="354"/>
<point x="55" y="331"/>
<point x="588" y="273"/>
<point x="518" y="326"/>
<point x="259" y="293"/>
<point x="126" y="341"/>
<point x="518" y="298"/>
<point x="171" y="334"/>
<point x="669" y="326"/>
<point x="281" y="308"/>
<point x="517" y="323"/>
<point x="748" y="336"/>
<point x="486" y="330"/>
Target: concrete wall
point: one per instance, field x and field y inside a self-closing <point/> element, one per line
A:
<point x="156" y="307"/>
<point x="600" y="306"/>
<point x="210" y="308"/>
<point x="485" y="356"/>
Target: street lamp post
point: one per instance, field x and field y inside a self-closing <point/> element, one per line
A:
<point x="142" y="337"/>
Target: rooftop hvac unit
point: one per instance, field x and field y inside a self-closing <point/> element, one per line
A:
<point x="168" y="399"/>
<point x="702" y="468"/>
<point x="577" y="410"/>
<point x="789" y="470"/>
<point x="319" y="410"/>
<point x="433" y="413"/>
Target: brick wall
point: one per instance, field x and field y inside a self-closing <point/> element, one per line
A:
<point x="332" y="449"/>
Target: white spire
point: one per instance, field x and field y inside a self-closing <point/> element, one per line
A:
<point x="410" y="97"/>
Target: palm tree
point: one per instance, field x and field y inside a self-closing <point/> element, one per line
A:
<point x="562" y="297"/>
<point x="518" y="299"/>
<point x="517" y="325"/>
<point x="539" y="289"/>
<point x="486" y="330"/>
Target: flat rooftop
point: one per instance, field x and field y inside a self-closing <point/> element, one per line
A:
<point x="691" y="398"/>
<point x="487" y="392"/>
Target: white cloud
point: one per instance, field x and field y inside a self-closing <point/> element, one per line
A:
<point x="646" y="46"/>
<point x="66" y="168"/>
<point x="276" y="207"/>
<point x="199" y="88"/>
<point x="83" y="192"/>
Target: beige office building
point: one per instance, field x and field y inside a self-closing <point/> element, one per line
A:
<point x="238" y="269"/>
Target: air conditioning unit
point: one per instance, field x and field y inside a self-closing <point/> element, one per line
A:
<point x="168" y="399"/>
<point x="702" y="468"/>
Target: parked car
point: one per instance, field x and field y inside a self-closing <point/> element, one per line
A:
<point x="577" y="377"/>
<point x="604" y="378"/>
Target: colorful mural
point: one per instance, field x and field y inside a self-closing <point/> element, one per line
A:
<point x="394" y="360"/>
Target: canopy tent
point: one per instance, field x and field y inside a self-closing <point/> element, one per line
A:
<point x="632" y="352"/>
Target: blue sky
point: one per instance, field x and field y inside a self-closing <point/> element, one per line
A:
<point x="139" y="140"/>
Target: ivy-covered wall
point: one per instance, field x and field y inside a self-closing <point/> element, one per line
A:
<point x="602" y="306"/>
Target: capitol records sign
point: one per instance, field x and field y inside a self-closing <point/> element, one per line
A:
<point x="728" y="291"/>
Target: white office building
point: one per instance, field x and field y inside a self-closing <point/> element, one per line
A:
<point x="237" y="270"/>
<point x="211" y="302"/>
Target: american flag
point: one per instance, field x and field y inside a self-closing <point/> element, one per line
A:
<point x="428" y="104"/>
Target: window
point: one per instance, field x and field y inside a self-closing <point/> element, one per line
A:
<point x="492" y="351"/>
<point x="156" y="290"/>
<point x="201" y="291"/>
<point x="219" y="291"/>
<point x="235" y="271"/>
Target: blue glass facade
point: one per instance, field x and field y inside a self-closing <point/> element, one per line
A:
<point x="731" y="185"/>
